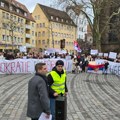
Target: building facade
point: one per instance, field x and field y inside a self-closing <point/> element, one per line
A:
<point x="81" y="22"/>
<point x="17" y="27"/>
<point x="52" y="26"/>
<point x="88" y="35"/>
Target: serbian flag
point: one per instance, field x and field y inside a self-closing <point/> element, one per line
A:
<point x="76" y="46"/>
<point x="95" y="68"/>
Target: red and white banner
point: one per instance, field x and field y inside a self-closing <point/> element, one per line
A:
<point x="28" y="65"/>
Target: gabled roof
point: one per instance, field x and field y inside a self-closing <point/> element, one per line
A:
<point x="17" y="5"/>
<point x="62" y="16"/>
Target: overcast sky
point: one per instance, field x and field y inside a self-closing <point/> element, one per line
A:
<point x="30" y="4"/>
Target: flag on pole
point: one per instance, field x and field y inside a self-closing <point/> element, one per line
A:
<point x="76" y="46"/>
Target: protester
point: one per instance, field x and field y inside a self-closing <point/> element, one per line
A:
<point x="105" y="67"/>
<point x="57" y="84"/>
<point x="1" y="56"/>
<point x="38" y="100"/>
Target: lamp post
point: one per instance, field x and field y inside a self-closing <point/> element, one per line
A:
<point x="11" y="34"/>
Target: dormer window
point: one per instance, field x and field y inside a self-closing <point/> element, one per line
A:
<point x="57" y="18"/>
<point x="18" y="5"/>
<point x="2" y="4"/>
<point x="11" y="8"/>
<point x="62" y="20"/>
<point x="13" y="3"/>
<point x="51" y="17"/>
<point x="18" y="10"/>
<point x="25" y="14"/>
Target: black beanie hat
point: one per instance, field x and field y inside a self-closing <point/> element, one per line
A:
<point x="60" y="62"/>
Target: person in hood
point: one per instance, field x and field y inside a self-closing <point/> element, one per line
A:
<point x="57" y="84"/>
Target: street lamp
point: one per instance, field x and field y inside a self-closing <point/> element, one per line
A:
<point x="11" y="34"/>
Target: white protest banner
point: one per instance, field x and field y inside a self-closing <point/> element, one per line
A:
<point x="23" y="49"/>
<point x="105" y="54"/>
<point x="27" y="65"/>
<point x="112" y="55"/>
<point x="113" y="68"/>
<point x="100" y="54"/>
<point x="94" y="52"/>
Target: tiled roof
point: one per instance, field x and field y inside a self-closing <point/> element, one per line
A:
<point x="17" y="5"/>
<point x="57" y="15"/>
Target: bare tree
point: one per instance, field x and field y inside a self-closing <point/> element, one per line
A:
<point x="100" y="8"/>
<point x="11" y="26"/>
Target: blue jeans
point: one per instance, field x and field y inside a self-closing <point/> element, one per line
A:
<point x="104" y="71"/>
<point x="52" y="107"/>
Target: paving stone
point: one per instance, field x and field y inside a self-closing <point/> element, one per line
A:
<point x="90" y="97"/>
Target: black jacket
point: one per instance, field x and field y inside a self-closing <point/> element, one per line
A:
<point x="50" y="82"/>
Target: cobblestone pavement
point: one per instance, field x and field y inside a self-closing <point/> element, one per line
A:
<point x="90" y="97"/>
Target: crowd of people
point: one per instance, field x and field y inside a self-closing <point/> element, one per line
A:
<point x="41" y="55"/>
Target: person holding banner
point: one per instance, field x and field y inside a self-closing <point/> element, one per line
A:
<point x="38" y="99"/>
<point x="105" y="67"/>
<point x="57" y="84"/>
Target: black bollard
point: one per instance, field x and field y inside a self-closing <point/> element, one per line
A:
<point x="61" y="108"/>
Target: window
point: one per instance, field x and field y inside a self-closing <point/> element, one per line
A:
<point x="25" y="14"/>
<point x="62" y="20"/>
<point x="3" y="25"/>
<point x="39" y="34"/>
<point x="22" y="30"/>
<point x="38" y="17"/>
<point x="18" y="29"/>
<point x="37" y="25"/>
<point x="36" y="34"/>
<point x="33" y="42"/>
<point x="7" y="38"/>
<point x="18" y="40"/>
<point x="17" y="5"/>
<point x="43" y="24"/>
<point x="2" y="4"/>
<point x="17" y="10"/>
<point x="7" y="15"/>
<point x="15" y="39"/>
<point x="11" y="16"/>
<point x="32" y="24"/>
<point x="3" y="37"/>
<point x="51" y="17"/>
<point x="15" y="18"/>
<point x="57" y="18"/>
<point x="56" y="34"/>
<point x="43" y="41"/>
<point x="43" y="33"/>
<point x="11" y="8"/>
<point x="21" y="40"/>
<point x="40" y="24"/>
<point x="32" y="33"/>
<point x="3" y="14"/>
<point x="21" y="20"/>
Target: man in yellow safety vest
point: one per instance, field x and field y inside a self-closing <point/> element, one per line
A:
<point x="57" y="84"/>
